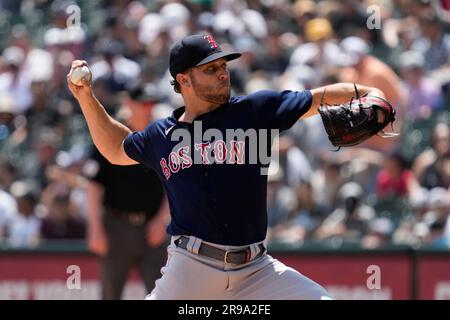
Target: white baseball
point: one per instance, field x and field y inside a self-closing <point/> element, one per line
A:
<point x="79" y="73"/>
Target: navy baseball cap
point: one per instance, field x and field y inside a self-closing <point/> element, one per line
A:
<point x="194" y="51"/>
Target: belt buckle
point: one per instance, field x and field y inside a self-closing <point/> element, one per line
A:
<point x="225" y="258"/>
<point x="248" y="254"/>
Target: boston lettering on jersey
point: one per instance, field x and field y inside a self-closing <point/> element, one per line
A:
<point x="215" y="191"/>
<point x="223" y="153"/>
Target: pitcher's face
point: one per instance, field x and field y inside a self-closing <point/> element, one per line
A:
<point x="211" y="81"/>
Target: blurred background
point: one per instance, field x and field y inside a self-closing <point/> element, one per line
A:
<point x="388" y="196"/>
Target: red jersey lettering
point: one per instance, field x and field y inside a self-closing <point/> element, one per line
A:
<point x="203" y="150"/>
<point x="174" y="162"/>
<point x="237" y="152"/>
<point x="220" y="151"/>
<point x="186" y="160"/>
<point x="165" y="168"/>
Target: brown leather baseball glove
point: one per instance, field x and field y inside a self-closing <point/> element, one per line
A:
<point x="351" y="123"/>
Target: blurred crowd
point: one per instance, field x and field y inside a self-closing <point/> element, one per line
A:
<point x="385" y="191"/>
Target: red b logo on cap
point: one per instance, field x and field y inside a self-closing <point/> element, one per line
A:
<point x="211" y="41"/>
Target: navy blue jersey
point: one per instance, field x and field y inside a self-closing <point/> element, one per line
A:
<point x="215" y="187"/>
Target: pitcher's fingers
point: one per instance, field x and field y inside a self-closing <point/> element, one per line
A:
<point x="72" y="87"/>
<point x="85" y="83"/>
<point x="78" y="63"/>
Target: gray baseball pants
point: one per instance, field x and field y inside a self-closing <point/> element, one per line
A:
<point x="189" y="276"/>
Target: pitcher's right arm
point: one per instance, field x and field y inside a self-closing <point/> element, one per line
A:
<point x="108" y="134"/>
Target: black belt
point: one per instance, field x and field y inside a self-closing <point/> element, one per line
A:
<point x="134" y="218"/>
<point x="240" y="256"/>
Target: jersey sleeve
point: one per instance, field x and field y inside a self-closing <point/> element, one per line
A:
<point x="138" y="146"/>
<point x="280" y="110"/>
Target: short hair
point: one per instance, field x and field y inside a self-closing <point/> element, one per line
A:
<point x="176" y="85"/>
